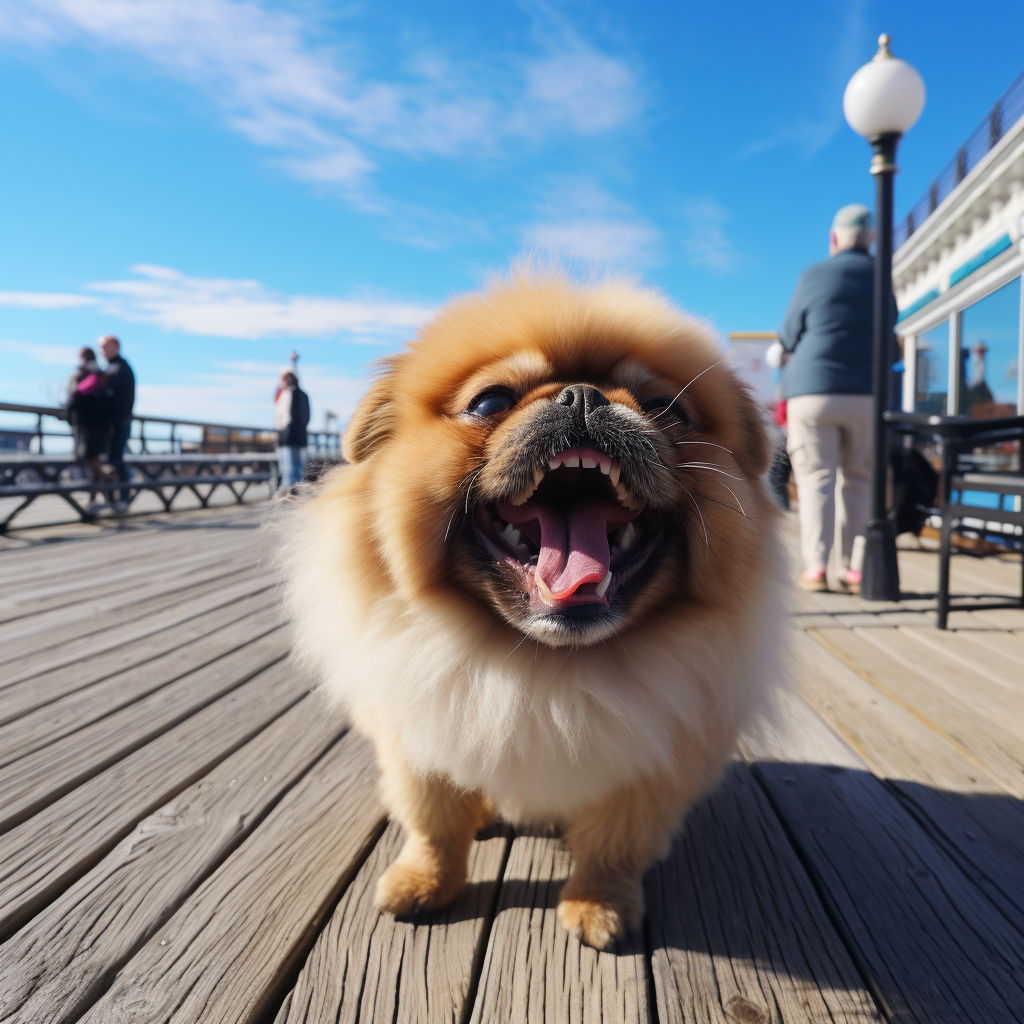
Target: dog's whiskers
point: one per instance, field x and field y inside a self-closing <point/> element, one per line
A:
<point x="710" y="469"/>
<point x="707" y="545"/>
<point x="701" y="374"/>
<point x="711" y="443"/>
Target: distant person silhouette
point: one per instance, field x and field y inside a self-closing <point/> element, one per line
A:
<point x="89" y="415"/>
<point x="827" y="386"/>
<point x="121" y="395"/>
<point x="291" y="418"/>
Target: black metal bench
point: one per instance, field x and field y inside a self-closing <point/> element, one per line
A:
<point x="956" y="438"/>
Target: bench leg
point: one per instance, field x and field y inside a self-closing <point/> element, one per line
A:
<point x="945" y="544"/>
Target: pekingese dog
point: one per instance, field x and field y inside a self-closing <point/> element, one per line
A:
<point x="547" y="585"/>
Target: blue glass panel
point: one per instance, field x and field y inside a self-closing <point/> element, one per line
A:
<point x="990" y="354"/>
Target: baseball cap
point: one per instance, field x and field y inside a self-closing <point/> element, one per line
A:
<point x="856" y="215"/>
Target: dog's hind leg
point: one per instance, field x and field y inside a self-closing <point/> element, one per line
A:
<point x="440" y="823"/>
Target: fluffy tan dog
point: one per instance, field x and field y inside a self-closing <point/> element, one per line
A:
<point x="547" y="584"/>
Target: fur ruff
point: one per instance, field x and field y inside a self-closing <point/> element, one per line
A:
<point x="542" y="731"/>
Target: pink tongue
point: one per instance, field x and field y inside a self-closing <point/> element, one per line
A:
<point x="567" y="562"/>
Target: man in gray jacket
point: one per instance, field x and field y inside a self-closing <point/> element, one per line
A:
<point x="827" y="386"/>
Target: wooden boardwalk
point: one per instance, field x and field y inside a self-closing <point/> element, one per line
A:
<point x="186" y="836"/>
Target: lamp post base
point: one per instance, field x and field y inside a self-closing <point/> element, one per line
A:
<point x="880" y="575"/>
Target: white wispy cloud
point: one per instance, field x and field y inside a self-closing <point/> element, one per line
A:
<point x="38" y="352"/>
<point x="237" y="308"/>
<point x="586" y="223"/>
<point x="278" y="84"/>
<point x="44" y="300"/>
<point x="705" y="242"/>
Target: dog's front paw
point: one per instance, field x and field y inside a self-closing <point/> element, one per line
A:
<point x="406" y="887"/>
<point x="596" y="922"/>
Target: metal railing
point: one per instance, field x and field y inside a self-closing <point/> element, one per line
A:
<point x="174" y="436"/>
<point x="1009" y="107"/>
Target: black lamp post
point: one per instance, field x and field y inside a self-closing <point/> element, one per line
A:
<point x="882" y="100"/>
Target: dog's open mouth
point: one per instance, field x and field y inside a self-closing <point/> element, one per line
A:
<point x="575" y="536"/>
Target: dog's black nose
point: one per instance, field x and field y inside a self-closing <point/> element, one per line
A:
<point x="582" y="399"/>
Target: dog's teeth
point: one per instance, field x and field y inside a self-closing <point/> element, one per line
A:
<point x="555" y="462"/>
<point x="613" y="472"/>
<point x="523" y="553"/>
<point x="606" y="465"/>
<point x="510" y="535"/>
<point x="588" y="463"/>
<point x="603" y="585"/>
<point x="572" y="462"/>
<point x="628" y="537"/>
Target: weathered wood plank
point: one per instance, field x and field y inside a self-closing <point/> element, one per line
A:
<point x="78" y="598"/>
<point x="737" y="932"/>
<point x="891" y="740"/>
<point x="44" y="855"/>
<point x="367" y="966"/>
<point x="142" y="656"/>
<point x="979" y="740"/>
<point x="183" y="609"/>
<point x="934" y="946"/>
<point x="55" y="967"/>
<point x="535" y="971"/>
<point x="121" y="606"/>
<point x="226" y="955"/>
<point x="82" y="707"/>
<point x="17" y="651"/>
<point x="37" y="779"/>
<point x="968" y="661"/>
<point x="89" y="557"/>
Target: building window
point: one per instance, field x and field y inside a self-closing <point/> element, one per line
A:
<point x="931" y="379"/>
<point x="990" y="346"/>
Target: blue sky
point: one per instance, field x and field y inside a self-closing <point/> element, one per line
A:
<point x="218" y="181"/>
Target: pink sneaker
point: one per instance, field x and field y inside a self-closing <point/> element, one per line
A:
<point x="813" y="579"/>
<point x="851" y="581"/>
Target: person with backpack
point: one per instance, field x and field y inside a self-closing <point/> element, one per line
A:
<point x="291" y="418"/>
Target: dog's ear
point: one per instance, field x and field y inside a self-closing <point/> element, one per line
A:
<point x="753" y="449"/>
<point x="371" y="423"/>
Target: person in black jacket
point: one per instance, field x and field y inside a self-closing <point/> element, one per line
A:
<point x="121" y="398"/>
<point x="291" y="418"/>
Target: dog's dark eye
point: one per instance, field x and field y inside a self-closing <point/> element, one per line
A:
<point x="490" y="403"/>
<point x="663" y="407"/>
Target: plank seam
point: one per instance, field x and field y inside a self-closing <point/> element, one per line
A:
<point x="825" y="899"/>
<point x="50" y="893"/>
<point x="955" y="853"/>
<point x="911" y="709"/>
<point x="304" y="945"/>
<point x="469" y="1005"/>
<point x="197" y="881"/>
<point x="51" y="796"/>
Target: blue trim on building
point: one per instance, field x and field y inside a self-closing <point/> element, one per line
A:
<point x="920" y="304"/>
<point x="1000" y="245"/>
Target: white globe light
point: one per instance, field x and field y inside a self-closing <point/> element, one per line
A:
<point x="886" y="95"/>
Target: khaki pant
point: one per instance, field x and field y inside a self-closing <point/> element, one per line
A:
<point x="830" y="447"/>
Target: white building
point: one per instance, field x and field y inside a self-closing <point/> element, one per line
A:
<point x="957" y="276"/>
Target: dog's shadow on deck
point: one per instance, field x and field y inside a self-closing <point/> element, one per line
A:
<point x="815" y="872"/>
